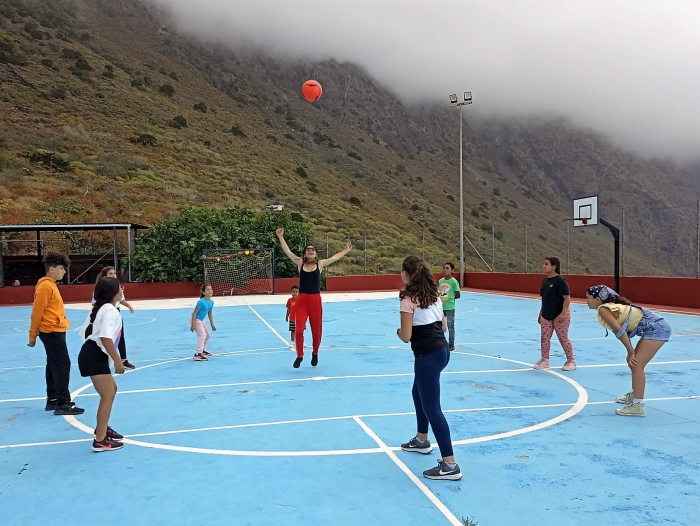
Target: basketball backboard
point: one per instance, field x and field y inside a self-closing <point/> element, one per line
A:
<point x="586" y="207"/>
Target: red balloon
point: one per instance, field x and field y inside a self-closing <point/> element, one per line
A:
<point x="311" y="91"/>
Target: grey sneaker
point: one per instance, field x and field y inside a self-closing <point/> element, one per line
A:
<point x="418" y="447"/>
<point x="442" y="472"/>
<point x="627" y="399"/>
<point x="631" y="410"/>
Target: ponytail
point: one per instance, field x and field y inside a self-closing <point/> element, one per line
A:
<point x="421" y="287"/>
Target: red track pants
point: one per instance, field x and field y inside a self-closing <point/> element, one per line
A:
<point x="308" y="306"/>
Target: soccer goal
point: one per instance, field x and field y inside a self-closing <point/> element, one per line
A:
<point x="233" y="272"/>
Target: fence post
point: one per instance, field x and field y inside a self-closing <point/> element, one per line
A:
<point x="493" y="249"/>
<point x="568" y="265"/>
<point x="365" y="236"/>
<point x="525" y="248"/>
<point x="697" y="234"/>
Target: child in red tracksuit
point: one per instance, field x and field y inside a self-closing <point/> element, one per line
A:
<point x="308" y="304"/>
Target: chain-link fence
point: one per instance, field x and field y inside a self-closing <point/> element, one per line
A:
<point x="653" y="242"/>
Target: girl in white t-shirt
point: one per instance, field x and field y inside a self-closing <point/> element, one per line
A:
<point x="423" y="323"/>
<point x="110" y="272"/>
<point x="101" y="333"/>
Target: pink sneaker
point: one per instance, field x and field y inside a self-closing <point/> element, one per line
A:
<point x="570" y="365"/>
<point x="542" y="364"/>
<point x="199" y="357"/>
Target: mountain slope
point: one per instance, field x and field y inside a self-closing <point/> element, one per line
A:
<point x="101" y="84"/>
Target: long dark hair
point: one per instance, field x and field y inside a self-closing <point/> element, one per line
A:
<point x="555" y="263"/>
<point x="615" y="299"/>
<point x="421" y="287"/>
<point x="204" y="287"/>
<point x="105" y="290"/>
<point x="103" y="273"/>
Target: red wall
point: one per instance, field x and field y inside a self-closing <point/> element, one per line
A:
<point x="24" y="295"/>
<point x="671" y="292"/>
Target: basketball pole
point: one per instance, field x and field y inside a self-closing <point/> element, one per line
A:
<point x="616" y="236"/>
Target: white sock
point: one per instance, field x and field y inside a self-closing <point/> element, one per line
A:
<point x="639" y="400"/>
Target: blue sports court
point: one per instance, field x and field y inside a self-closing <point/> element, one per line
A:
<point x="246" y="439"/>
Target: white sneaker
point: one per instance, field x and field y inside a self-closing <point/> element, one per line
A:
<point x="631" y="410"/>
<point x="627" y="399"/>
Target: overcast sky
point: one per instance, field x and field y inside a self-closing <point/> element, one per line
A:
<point x="628" y="68"/>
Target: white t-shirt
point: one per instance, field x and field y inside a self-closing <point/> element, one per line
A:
<point x="426" y="335"/>
<point x="107" y="324"/>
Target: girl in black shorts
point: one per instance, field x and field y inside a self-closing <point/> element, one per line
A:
<point x="101" y="332"/>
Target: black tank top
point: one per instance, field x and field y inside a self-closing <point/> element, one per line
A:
<point x="310" y="282"/>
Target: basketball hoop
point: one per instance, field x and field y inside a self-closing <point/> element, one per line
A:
<point x="583" y="220"/>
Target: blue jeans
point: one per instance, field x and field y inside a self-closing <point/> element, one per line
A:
<point x="450" y="315"/>
<point x="426" y="397"/>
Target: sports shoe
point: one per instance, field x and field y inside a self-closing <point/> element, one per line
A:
<point x="51" y="405"/>
<point x="442" y="472"/>
<point x="542" y="364"/>
<point x="199" y="357"/>
<point x="67" y="409"/>
<point x="111" y="433"/>
<point x="108" y="444"/>
<point x="128" y="365"/>
<point x="206" y="353"/>
<point x="570" y="365"/>
<point x="314" y="360"/>
<point x="297" y="362"/>
<point x="418" y="447"/>
<point x="631" y="410"/>
<point x="627" y="399"/>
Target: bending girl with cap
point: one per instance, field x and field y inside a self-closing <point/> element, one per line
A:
<point x="626" y="321"/>
<point x="309" y="299"/>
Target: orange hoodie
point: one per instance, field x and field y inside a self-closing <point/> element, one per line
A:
<point x="48" y="314"/>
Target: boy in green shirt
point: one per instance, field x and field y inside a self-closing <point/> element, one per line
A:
<point x="448" y="290"/>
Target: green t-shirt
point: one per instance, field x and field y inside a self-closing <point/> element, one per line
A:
<point x="446" y="291"/>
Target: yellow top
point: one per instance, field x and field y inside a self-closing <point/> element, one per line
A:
<point x="624" y="311"/>
<point x="48" y="314"/>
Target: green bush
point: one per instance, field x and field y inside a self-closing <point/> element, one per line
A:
<point x="301" y="172"/>
<point x="172" y="249"/>
<point x="180" y="120"/>
<point x="238" y="131"/>
<point x="47" y="62"/>
<point x="167" y="89"/>
<point x="201" y="107"/>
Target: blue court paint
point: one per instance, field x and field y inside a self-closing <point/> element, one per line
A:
<point x="247" y="403"/>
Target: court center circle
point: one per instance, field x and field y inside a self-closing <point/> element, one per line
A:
<point x="577" y="406"/>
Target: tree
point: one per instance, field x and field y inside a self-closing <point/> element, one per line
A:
<point x="172" y="249"/>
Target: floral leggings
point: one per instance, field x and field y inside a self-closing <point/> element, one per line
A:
<point x="562" y="330"/>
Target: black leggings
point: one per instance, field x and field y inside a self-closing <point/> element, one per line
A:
<point x="122" y="345"/>
<point x="426" y="397"/>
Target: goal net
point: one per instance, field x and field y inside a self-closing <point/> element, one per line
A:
<point x="238" y="271"/>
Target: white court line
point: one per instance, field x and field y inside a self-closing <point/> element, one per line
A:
<point x="527" y="367"/>
<point x="403" y="467"/>
<point x="268" y="325"/>
<point x="347" y="417"/>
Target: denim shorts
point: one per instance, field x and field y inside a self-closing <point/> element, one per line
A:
<point x="652" y="327"/>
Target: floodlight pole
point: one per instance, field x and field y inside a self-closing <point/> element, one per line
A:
<point x="453" y="102"/>
<point x="616" y="236"/>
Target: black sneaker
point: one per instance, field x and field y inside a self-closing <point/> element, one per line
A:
<point x="107" y="444"/>
<point x="206" y="353"/>
<point x="128" y="365"/>
<point x="314" y="360"/>
<point x="418" y="447"/>
<point x="442" y="472"/>
<point x="51" y="405"/>
<point x="297" y="362"/>
<point x="111" y="433"/>
<point x="67" y="409"/>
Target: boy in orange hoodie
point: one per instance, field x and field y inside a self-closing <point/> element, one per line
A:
<point x="49" y="322"/>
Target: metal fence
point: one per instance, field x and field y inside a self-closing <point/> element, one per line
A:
<point x="654" y="242"/>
